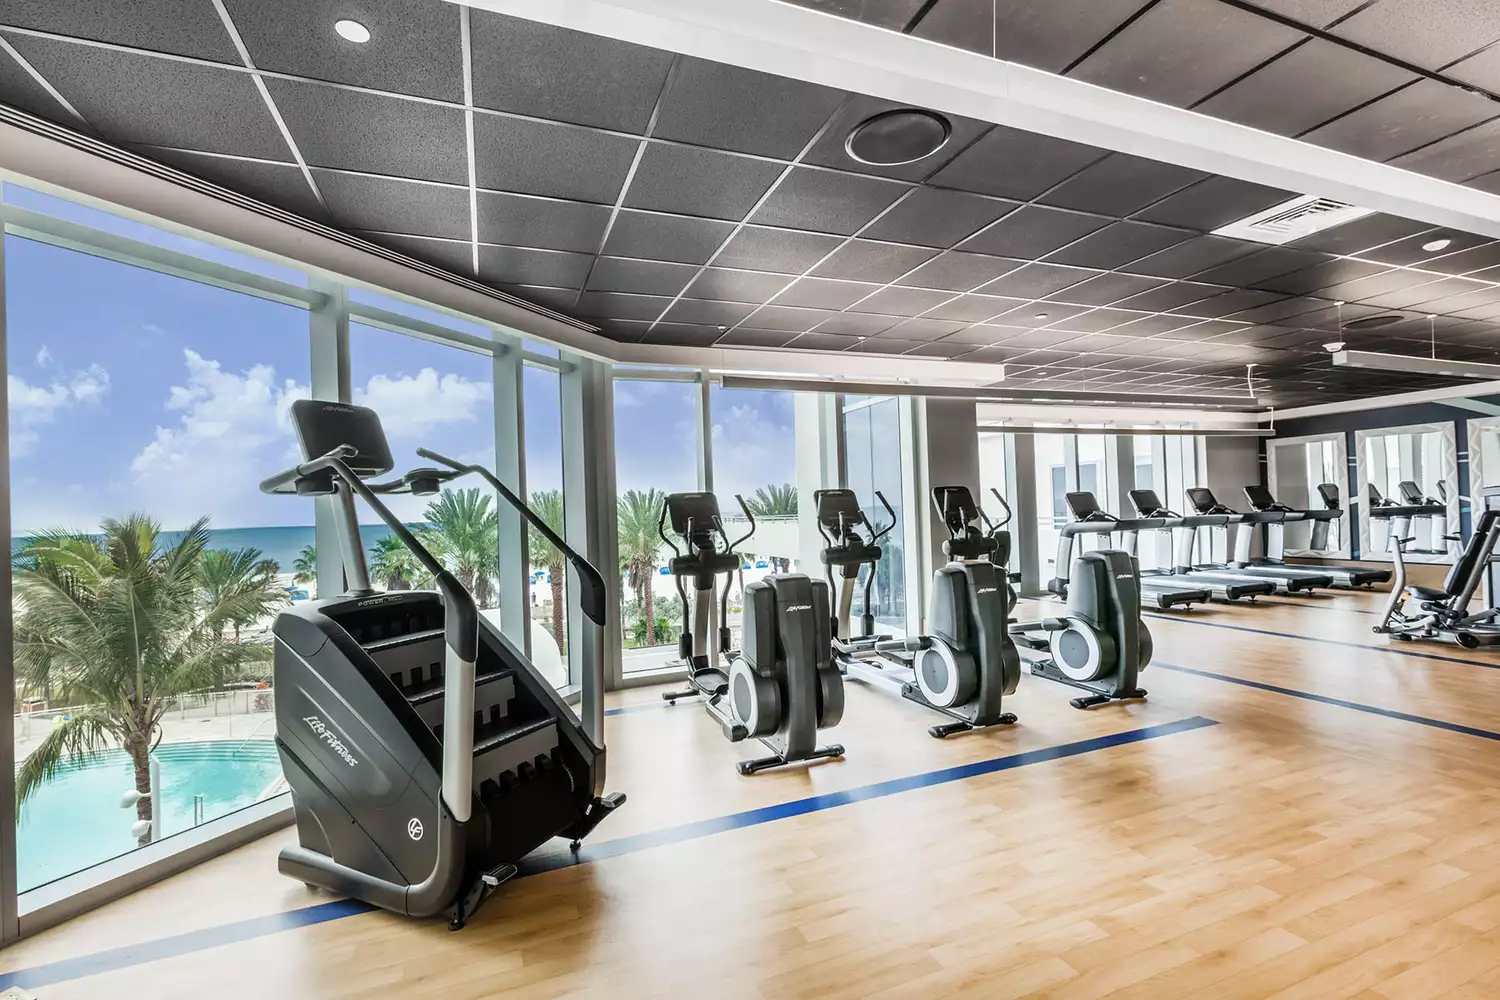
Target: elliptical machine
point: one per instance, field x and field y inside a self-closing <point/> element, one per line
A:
<point x="425" y="754"/>
<point x="968" y="665"/>
<point x="781" y="687"/>
<point x="1102" y="644"/>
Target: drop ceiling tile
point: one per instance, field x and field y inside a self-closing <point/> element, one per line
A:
<point x="983" y="335"/>
<point x="1206" y="330"/>
<point x="456" y="256"/>
<point x="578" y="227"/>
<point x="1106" y="288"/>
<point x="1458" y="157"/>
<point x="625" y="331"/>
<point x="1258" y="267"/>
<point x="825" y="293"/>
<point x="1035" y="315"/>
<point x="787" y="318"/>
<point x="1180" y="51"/>
<point x="821" y="341"/>
<point x="959" y="272"/>
<point x="1481" y="70"/>
<point x="744" y="336"/>
<point x="682" y="335"/>
<point x="884" y="345"/>
<point x="646" y="277"/>
<point x="390" y="205"/>
<point x="1097" y="321"/>
<point x="702" y="312"/>
<point x="531" y="68"/>
<point x="1035" y="281"/>
<point x="944" y="348"/>
<point x="1425" y="291"/>
<point x="1178" y="293"/>
<point x="1429" y="33"/>
<point x="1193" y="257"/>
<point x="665" y="237"/>
<point x="1048" y="36"/>
<point x="1306" y="87"/>
<point x="1412" y="117"/>
<point x="1010" y="163"/>
<point x="974" y="308"/>
<point x="132" y="98"/>
<point x="186" y="30"/>
<point x="280" y="184"/>
<point x="706" y="105"/>
<point x="1310" y="279"/>
<point x="21" y="91"/>
<point x="1229" y="303"/>
<point x="1150" y="326"/>
<point x="852" y="324"/>
<point x="1315" y="13"/>
<point x="1448" y="295"/>
<point x="704" y="182"/>
<point x="1361" y="234"/>
<point x="617" y="305"/>
<point x="827" y="202"/>
<point x="557" y="161"/>
<point x="1037" y="340"/>
<point x="775" y="250"/>
<point x="524" y="266"/>
<point x="296" y="37"/>
<point x="1119" y="243"/>
<point x="381" y="135"/>
<point x="829" y="150"/>
<point x="895" y="301"/>
<point x="937" y="218"/>
<point x="1412" y="250"/>
<point x="1486" y="298"/>
<point x="1287" y="311"/>
<point x="1466" y="261"/>
<point x="1033" y="231"/>
<point x="922" y="330"/>
<point x="737" y="286"/>
<point x="1215" y="202"/>
<point x="991" y="356"/>
<point x="1379" y="283"/>
<point x="1120" y="184"/>
<point x="862" y="260"/>
<point x="557" y="299"/>
<point x="894" y="14"/>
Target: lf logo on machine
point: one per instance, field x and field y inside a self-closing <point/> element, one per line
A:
<point x="326" y="733"/>
<point x="414" y="828"/>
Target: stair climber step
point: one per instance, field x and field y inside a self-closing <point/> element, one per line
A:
<point x="511" y="754"/>
<point x="414" y="662"/>
<point x="493" y="693"/>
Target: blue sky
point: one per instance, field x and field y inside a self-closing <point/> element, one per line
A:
<point x="134" y="390"/>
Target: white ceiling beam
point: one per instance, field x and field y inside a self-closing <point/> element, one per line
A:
<point x="805" y="44"/>
<point x="1450" y="394"/>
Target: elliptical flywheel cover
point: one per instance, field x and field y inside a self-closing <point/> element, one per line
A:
<point x="893" y="138"/>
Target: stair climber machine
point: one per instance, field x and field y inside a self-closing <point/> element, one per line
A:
<point x="968" y="665"/>
<point x="1263" y="502"/>
<point x="1287" y="579"/>
<point x="1101" y="644"/>
<point x="781" y="686"/>
<point x="426" y="755"/>
<point x="1222" y="584"/>
<point x="1159" y="588"/>
<point x="1443" y="613"/>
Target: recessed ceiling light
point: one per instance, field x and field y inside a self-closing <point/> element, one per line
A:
<point x="1040" y="316"/>
<point x="1437" y="245"/>
<point x="1372" y="322"/>
<point x="859" y="338"/>
<point x="353" y="31"/>
<point x="1335" y="347"/>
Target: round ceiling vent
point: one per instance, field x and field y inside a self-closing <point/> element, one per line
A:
<point x="892" y="138"/>
<point x="1373" y="322"/>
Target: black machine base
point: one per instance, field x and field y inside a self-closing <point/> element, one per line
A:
<point x="475" y="895"/>
<point x="597" y="811"/>
<point x="780" y="759"/>
<point x="1102" y="694"/>
<point x="947" y="729"/>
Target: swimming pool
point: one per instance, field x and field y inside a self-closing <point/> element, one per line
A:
<point x="75" y="820"/>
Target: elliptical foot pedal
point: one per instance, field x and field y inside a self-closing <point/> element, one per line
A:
<point x="1093" y="701"/>
<point x="474" y="897"/>
<point x="947" y="729"/>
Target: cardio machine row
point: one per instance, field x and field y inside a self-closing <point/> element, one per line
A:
<point x="785" y="682"/>
<point x="1240" y="577"/>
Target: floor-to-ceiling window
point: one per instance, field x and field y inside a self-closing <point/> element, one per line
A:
<point x="547" y="579"/>
<point x="1055" y="479"/>
<point x="872" y="447"/>
<point x="658" y="449"/>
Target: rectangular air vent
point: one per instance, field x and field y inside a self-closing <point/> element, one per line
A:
<point x="1292" y="220"/>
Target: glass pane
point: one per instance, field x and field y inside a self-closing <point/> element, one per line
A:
<point x="144" y="410"/>
<point x="1092" y="477"/>
<point x="428" y="315"/>
<point x="61" y="208"/>
<point x="656" y="453"/>
<point x="872" y="443"/>
<point x="1051" y="499"/>
<point x="755" y="456"/>
<point x="1145" y="472"/>
<point x="429" y="395"/>
<point x="544" y="481"/>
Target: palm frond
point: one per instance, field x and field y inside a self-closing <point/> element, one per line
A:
<point x="80" y="737"/>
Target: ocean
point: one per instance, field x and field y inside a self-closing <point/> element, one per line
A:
<point x="281" y="543"/>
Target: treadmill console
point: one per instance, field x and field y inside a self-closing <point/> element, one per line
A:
<point x="1204" y="502"/>
<point x="1330" y="494"/>
<point x="1084" y="507"/>
<point x="1148" y="504"/>
<point x="1261" y="499"/>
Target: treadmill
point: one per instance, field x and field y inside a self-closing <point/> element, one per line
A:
<point x="1346" y="577"/>
<point x="1287" y="579"/>
<point x="1224" y="585"/>
<point x="1434" y="525"/>
<point x="1166" y="592"/>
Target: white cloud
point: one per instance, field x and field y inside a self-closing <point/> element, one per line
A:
<point x="234" y="431"/>
<point x="43" y="357"/>
<point x="750" y="452"/>
<point x="34" y="406"/>
<point x="411" y="405"/>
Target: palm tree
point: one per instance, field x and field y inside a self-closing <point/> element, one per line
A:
<point x="393" y="565"/>
<point x="548" y="505"/>
<point x="775" y="501"/>
<point x="465" y="531"/>
<point x="637" y="515"/>
<point x="122" y="626"/>
<point x="242" y="577"/>
<point x="306" y="565"/>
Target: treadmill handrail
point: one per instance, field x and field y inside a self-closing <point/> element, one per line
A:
<point x="1387" y="511"/>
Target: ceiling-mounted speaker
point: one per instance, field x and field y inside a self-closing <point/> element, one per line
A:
<point x="1373" y="322"/>
<point x="892" y="138"/>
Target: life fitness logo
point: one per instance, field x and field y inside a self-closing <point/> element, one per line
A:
<point x="414" y="828"/>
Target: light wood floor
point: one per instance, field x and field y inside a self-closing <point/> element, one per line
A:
<point x="1295" y="850"/>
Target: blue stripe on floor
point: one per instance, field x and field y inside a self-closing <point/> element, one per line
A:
<point x="244" y="930"/>
<point x="646" y="706"/>
<point x="1393" y="648"/>
<point x="1318" y="603"/>
<point x="1421" y="720"/>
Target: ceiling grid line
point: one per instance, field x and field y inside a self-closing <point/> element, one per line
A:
<point x="43" y="82"/>
<point x="466" y="49"/>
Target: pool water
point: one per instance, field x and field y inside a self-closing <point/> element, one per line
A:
<point x="75" y="820"/>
